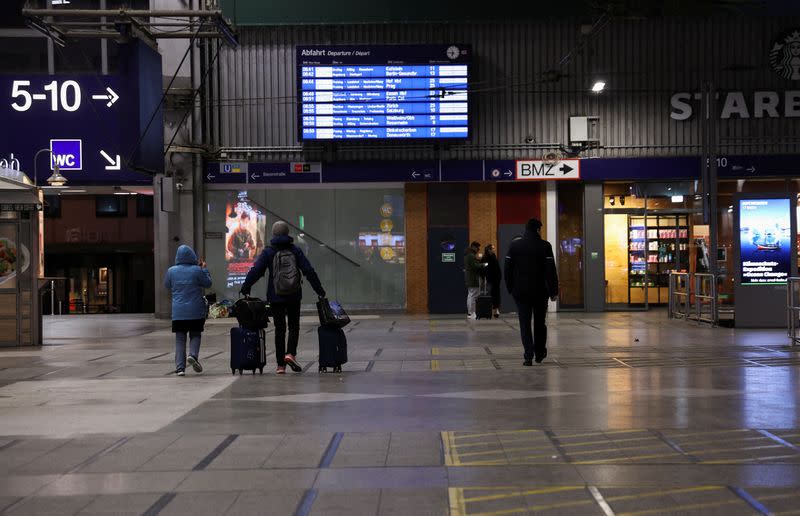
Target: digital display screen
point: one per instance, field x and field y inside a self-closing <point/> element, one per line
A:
<point x="765" y="241"/>
<point x="244" y="238"/>
<point x="383" y="92"/>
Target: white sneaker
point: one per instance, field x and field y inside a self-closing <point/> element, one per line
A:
<point x="472" y="317"/>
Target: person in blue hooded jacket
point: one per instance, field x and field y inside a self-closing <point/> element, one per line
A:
<point x="187" y="279"/>
<point x="284" y="262"/>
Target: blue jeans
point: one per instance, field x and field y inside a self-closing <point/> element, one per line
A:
<point x="180" y="348"/>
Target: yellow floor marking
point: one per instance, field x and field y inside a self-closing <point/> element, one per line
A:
<point x="457" y="505"/>
<point x="435" y="351"/>
<point x="617" y="459"/>
<point x="434" y="365"/>
<point x="496" y="442"/>
<point x="748" y="460"/>
<point x="606" y="450"/>
<point x="489" y="434"/>
<point x="675" y="508"/>
<point x="723" y="450"/>
<point x="574" y="503"/>
<point x="684" y="445"/>
<point x="517" y="493"/>
<point x="450" y="455"/>
<point x="591" y="434"/>
<point x="786" y="513"/>
<point x="712" y="432"/>
<point x="503" y="450"/>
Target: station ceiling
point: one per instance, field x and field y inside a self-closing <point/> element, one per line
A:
<point x="291" y="12"/>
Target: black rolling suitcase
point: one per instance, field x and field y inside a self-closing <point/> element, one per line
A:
<point x="332" y="348"/>
<point x="248" y="350"/>
<point x="483" y="303"/>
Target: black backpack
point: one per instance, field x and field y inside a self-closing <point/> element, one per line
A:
<point x="252" y="313"/>
<point x="286" y="278"/>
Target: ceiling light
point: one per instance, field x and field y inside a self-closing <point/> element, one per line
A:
<point x="598" y="86"/>
<point x="611" y="201"/>
<point x="677" y="198"/>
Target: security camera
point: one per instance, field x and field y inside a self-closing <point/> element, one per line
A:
<point x="530" y="139"/>
<point x="179" y="186"/>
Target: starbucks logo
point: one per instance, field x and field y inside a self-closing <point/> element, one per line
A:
<point x="784" y="57"/>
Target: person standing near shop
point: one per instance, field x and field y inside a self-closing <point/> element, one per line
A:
<point x="186" y="280"/>
<point x="493" y="275"/>
<point x="472" y="268"/>
<point x="531" y="279"/>
<point x="284" y="262"/>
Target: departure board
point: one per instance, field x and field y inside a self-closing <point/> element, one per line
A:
<point x="383" y="92"/>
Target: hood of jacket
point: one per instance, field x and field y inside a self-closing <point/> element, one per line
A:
<point x="185" y="256"/>
<point x="281" y="241"/>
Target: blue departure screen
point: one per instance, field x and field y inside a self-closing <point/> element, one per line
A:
<point x="383" y="92"/>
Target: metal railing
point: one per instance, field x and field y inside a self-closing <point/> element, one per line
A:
<point x="793" y="310"/>
<point x="679" y="298"/>
<point x="705" y="298"/>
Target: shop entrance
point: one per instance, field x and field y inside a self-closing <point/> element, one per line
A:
<point x="648" y="230"/>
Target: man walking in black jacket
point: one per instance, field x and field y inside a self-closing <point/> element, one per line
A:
<point x="531" y="278"/>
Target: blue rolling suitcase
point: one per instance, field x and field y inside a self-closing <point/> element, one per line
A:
<point x="332" y="348"/>
<point x="248" y="350"/>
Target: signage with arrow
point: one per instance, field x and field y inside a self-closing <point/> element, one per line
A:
<point x="540" y="170"/>
<point x="110" y="96"/>
<point x="90" y="124"/>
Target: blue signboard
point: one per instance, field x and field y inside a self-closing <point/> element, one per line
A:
<point x="383" y="92"/>
<point x="765" y="233"/>
<point x="434" y="171"/>
<point x="84" y="121"/>
<point x="95" y="127"/>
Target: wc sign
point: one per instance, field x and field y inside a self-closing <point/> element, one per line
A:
<point x="67" y="154"/>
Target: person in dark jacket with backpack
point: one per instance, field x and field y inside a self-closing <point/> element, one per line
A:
<point x="284" y="262"/>
<point x="531" y="278"/>
<point x="186" y="280"/>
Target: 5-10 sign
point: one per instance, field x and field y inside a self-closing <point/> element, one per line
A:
<point x="63" y="96"/>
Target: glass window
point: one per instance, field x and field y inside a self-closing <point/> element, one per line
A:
<point x="79" y="55"/>
<point x="354" y="238"/>
<point x="570" y="244"/>
<point x="111" y="206"/>
<point x="52" y="206"/>
<point x="23" y="55"/>
<point x="144" y="205"/>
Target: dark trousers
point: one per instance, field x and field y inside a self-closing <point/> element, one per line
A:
<point x="534" y="342"/>
<point x="281" y="312"/>
<point x="494" y="290"/>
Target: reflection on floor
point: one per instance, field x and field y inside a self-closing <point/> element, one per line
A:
<point x="630" y="414"/>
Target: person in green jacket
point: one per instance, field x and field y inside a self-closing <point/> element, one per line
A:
<point x="472" y="266"/>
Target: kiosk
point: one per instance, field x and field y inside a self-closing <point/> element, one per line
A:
<point x="20" y="260"/>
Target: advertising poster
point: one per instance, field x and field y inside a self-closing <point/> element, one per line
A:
<point x="765" y="241"/>
<point x="244" y="238"/>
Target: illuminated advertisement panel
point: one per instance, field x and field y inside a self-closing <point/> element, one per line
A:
<point x="765" y="241"/>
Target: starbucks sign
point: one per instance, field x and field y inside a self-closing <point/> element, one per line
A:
<point x="784" y="55"/>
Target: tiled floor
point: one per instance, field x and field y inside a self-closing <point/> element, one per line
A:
<point x="629" y="414"/>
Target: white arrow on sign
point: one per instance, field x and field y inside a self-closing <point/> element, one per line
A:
<point x="414" y="175"/>
<point x="113" y="164"/>
<point x="110" y="96"/>
<point x="210" y="177"/>
<point x="508" y="173"/>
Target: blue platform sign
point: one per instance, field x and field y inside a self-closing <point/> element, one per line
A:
<point x="67" y="154"/>
<point x="101" y="129"/>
